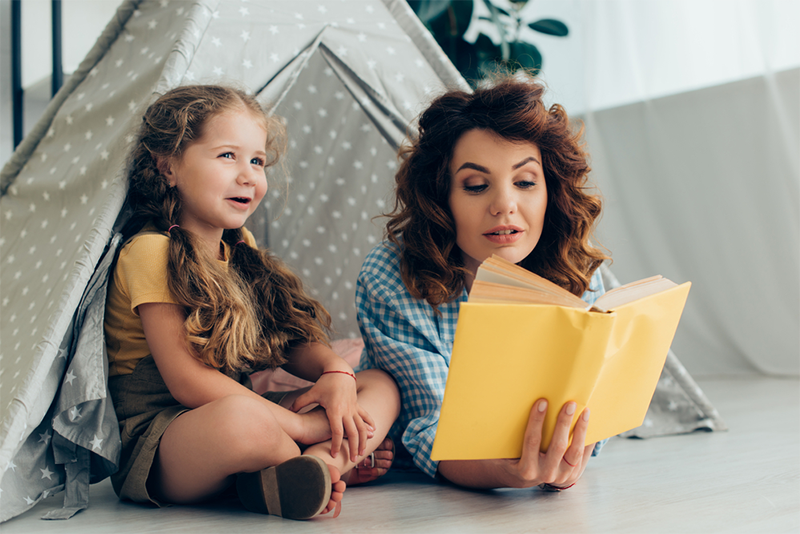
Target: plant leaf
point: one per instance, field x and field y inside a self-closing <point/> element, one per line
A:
<point x="504" y="48"/>
<point x="550" y="27"/>
<point x="450" y="23"/>
<point x="526" y="56"/>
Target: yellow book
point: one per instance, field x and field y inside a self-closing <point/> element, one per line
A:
<point x="521" y="337"/>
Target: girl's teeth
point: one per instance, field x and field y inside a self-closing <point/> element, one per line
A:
<point x="504" y="232"/>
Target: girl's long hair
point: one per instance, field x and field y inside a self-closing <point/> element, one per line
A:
<point x="242" y="318"/>
<point x="422" y="225"/>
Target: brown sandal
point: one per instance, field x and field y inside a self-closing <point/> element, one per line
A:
<point x="299" y="488"/>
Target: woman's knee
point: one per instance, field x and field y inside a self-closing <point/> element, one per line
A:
<point x="375" y="379"/>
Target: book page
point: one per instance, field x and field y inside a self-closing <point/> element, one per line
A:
<point x="633" y="291"/>
<point x="489" y="292"/>
<point x="497" y="272"/>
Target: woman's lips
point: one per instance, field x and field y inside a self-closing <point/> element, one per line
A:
<point x="503" y="235"/>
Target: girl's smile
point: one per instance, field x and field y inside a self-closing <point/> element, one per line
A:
<point x="220" y="177"/>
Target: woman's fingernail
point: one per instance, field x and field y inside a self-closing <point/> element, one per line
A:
<point x="586" y="414"/>
<point x="542" y="405"/>
<point x="570" y="408"/>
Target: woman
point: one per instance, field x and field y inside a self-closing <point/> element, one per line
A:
<point x="491" y="172"/>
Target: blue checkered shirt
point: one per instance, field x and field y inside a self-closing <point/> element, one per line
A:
<point x="407" y="339"/>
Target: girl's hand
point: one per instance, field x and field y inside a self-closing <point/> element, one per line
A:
<point x="337" y="393"/>
<point x="563" y="464"/>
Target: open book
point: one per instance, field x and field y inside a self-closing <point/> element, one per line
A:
<point x="521" y="337"/>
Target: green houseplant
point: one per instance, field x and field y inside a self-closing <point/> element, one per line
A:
<point x="448" y="21"/>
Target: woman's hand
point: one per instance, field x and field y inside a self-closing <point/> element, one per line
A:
<point x="563" y="463"/>
<point x="337" y="393"/>
<point x="560" y="467"/>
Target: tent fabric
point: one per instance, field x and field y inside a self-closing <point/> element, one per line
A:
<point x="348" y="77"/>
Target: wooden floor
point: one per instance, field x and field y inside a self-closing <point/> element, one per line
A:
<point x="744" y="480"/>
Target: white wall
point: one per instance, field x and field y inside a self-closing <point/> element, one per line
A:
<point x="82" y="22"/>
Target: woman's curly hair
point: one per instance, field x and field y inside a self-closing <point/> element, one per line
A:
<point x="421" y="223"/>
<point x="243" y="318"/>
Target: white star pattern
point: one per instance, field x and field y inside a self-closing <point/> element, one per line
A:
<point x="70" y="377"/>
<point x="46" y="473"/>
<point x="74" y="413"/>
<point x="96" y="442"/>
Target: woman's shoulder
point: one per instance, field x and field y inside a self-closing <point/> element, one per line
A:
<point x="381" y="268"/>
<point x="383" y="259"/>
<point x="384" y="252"/>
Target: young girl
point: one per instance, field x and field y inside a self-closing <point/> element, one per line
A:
<point x="491" y="172"/>
<point x="194" y="307"/>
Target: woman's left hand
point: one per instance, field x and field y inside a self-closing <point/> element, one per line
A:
<point x="337" y="392"/>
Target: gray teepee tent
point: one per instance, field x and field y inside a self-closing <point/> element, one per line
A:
<point x="348" y="76"/>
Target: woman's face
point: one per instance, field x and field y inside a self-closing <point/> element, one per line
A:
<point x="498" y="197"/>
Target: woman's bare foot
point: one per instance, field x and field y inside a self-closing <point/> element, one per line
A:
<point x="365" y="472"/>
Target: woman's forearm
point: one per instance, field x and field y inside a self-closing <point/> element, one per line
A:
<point x="483" y="474"/>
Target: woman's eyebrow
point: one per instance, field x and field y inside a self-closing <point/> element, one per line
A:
<point x="474" y="166"/>
<point x="525" y="161"/>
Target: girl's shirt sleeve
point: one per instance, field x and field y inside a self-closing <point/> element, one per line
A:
<point x="141" y="272"/>
<point x="404" y="337"/>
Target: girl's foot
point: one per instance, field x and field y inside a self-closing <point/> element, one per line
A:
<point x="299" y="488"/>
<point x="337" y="492"/>
<point x="365" y="471"/>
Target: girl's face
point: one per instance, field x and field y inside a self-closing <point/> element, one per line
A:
<point x="220" y="177"/>
<point x="498" y="197"/>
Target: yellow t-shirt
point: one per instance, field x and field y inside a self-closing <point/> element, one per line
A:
<point x="140" y="277"/>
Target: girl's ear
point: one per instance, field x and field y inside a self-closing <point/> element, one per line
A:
<point x="164" y="166"/>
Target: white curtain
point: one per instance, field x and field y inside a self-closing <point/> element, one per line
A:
<point x="692" y="113"/>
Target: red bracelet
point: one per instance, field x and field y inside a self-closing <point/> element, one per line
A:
<point x="343" y="372"/>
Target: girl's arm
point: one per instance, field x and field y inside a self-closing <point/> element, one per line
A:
<point x="336" y="391"/>
<point x="194" y="384"/>
<point x="561" y="466"/>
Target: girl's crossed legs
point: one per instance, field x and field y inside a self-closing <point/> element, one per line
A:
<point x="203" y="450"/>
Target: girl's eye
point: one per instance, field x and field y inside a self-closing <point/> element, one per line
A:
<point x="228" y="155"/>
<point x="525" y="184"/>
<point x="257" y="161"/>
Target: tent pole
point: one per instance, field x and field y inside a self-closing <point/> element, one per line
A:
<point x="17" y="95"/>
<point x="57" y="79"/>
